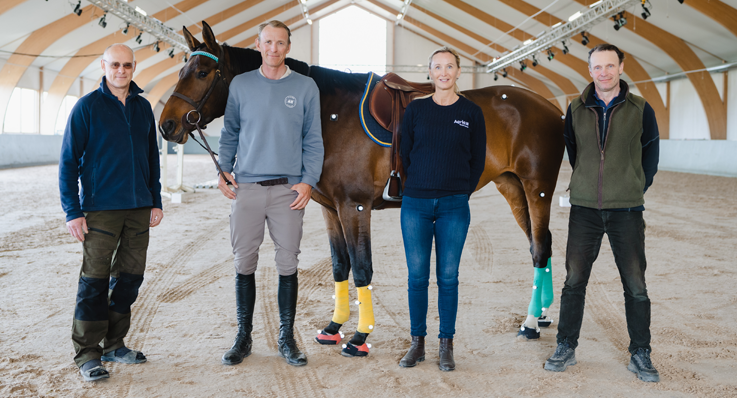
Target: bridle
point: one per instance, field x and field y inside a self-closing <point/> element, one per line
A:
<point x="201" y="103"/>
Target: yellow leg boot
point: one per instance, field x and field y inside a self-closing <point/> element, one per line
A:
<point x="331" y="335"/>
<point x="357" y="347"/>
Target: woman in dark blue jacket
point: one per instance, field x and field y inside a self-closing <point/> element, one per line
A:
<point x="443" y="150"/>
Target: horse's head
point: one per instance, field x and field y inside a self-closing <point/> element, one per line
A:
<point x="202" y="91"/>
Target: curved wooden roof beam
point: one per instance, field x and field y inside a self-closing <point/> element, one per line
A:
<point x="8" y="5"/>
<point x="532" y="82"/>
<point x="171" y="80"/>
<point x="718" y="11"/>
<point x="145" y="76"/>
<point x="72" y="69"/>
<point x="579" y="67"/>
<point x="563" y="83"/>
<point x="633" y="68"/>
<point x="676" y="48"/>
<point x="36" y="43"/>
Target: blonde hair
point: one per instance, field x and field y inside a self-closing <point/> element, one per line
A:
<point x="446" y="49"/>
<point x="275" y="24"/>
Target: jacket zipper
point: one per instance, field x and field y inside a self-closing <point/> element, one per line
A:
<point x="130" y="140"/>
<point x="602" y="148"/>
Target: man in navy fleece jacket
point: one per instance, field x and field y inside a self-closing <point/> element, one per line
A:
<point x="110" y="150"/>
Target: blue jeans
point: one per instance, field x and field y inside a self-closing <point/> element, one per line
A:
<point x="626" y="232"/>
<point x="447" y="220"/>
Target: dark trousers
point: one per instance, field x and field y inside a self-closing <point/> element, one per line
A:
<point x="626" y="232"/>
<point x="114" y="258"/>
<point x="447" y="220"/>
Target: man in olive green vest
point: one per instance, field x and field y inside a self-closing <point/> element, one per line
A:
<point x="613" y="145"/>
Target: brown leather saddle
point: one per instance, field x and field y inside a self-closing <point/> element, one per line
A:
<point x="388" y="101"/>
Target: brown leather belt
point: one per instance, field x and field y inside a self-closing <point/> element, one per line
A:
<point x="277" y="181"/>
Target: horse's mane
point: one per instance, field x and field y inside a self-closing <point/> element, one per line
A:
<point x="327" y="80"/>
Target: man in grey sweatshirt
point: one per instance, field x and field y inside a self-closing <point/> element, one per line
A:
<point x="272" y="124"/>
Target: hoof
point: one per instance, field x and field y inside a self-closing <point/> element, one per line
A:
<point x="526" y="333"/>
<point x="327" y="338"/>
<point x="350" y="350"/>
<point x="544" y="321"/>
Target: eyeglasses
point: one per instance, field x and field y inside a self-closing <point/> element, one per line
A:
<point x="116" y="65"/>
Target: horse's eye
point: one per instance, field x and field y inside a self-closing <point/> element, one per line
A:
<point x="202" y="74"/>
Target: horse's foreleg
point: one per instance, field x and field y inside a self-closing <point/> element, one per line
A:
<point x="356" y="221"/>
<point x="341" y="268"/>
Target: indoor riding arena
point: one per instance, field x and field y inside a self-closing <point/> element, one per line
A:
<point x="524" y="63"/>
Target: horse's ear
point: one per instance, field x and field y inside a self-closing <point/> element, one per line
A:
<point x="209" y="38"/>
<point x="191" y="41"/>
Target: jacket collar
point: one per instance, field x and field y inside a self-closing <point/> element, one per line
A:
<point x="589" y="100"/>
<point x="133" y="90"/>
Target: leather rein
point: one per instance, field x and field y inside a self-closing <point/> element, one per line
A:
<point x="198" y="105"/>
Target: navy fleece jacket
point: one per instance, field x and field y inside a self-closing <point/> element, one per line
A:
<point x="111" y="150"/>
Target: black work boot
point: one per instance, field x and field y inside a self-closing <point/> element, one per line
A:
<point x="447" y="363"/>
<point x="245" y="299"/>
<point x="415" y="354"/>
<point x="288" y="287"/>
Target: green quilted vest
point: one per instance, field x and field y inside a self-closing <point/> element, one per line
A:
<point x="612" y="177"/>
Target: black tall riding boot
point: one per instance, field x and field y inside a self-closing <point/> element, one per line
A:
<point x="245" y="299"/>
<point x="288" y="287"/>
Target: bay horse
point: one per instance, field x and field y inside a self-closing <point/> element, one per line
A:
<point x="523" y="157"/>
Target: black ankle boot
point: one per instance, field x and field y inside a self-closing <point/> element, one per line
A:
<point x="288" y="287"/>
<point x="447" y="363"/>
<point x="245" y="299"/>
<point x="415" y="354"/>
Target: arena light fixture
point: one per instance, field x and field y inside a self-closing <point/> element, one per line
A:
<point x="156" y="47"/>
<point x="522" y="66"/>
<point x="619" y="20"/>
<point x="496" y="77"/>
<point x="139" y="40"/>
<point x="504" y="72"/>
<point x="551" y="55"/>
<point x="534" y="61"/>
<point x="565" y="48"/>
<point x="102" y="21"/>
<point x="125" y="30"/>
<point x="584" y="38"/>
<point x="78" y="8"/>
<point x="171" y="53"/>
<point x="645" y="11"/>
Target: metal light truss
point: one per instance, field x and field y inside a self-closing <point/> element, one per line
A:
<point x="403" y="11"/>
<point x="596" y="13"/>
<point x="143" y="23"/>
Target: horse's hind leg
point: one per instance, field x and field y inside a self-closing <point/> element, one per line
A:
<point x="514" y="190"/>
<point x="341" y="268"/>
<point x="539" y="197"/>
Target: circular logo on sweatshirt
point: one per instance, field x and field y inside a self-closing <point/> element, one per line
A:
<point x="290" y="101"/>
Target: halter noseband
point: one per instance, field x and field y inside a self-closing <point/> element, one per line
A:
<point x="199" y="104"/>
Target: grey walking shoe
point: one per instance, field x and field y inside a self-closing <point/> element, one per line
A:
<point x="563" y="357"/>
<point x="641" y="365"/>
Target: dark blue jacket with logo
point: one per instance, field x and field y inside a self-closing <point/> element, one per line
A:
<point x="111" y="150"/>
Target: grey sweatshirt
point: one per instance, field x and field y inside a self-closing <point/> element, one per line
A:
<point x="274" y="128"/>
